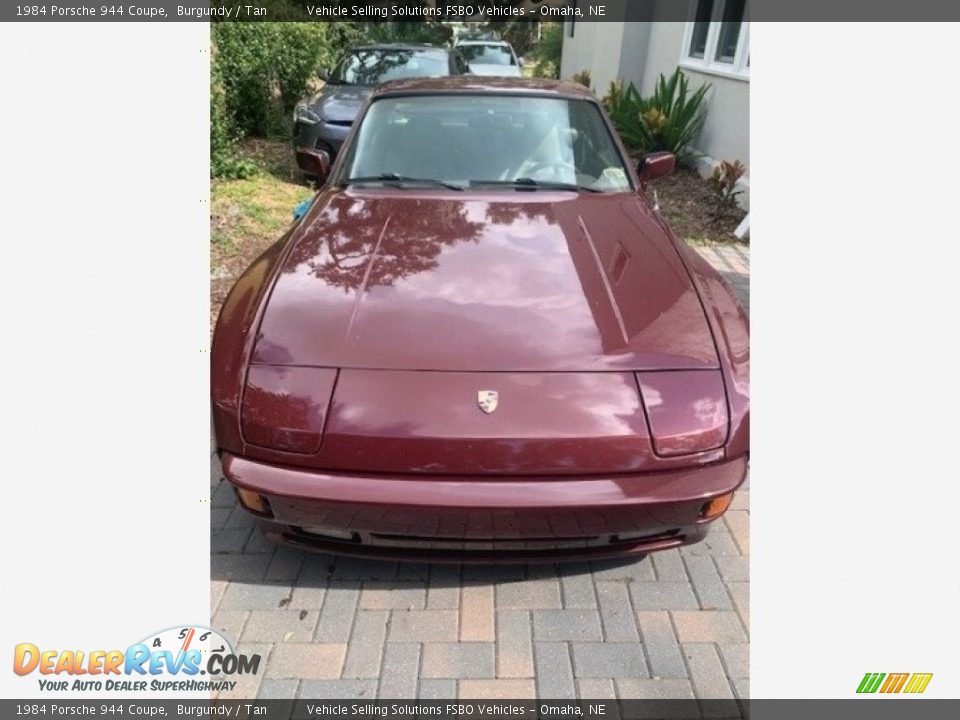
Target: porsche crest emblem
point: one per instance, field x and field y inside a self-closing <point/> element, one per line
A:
<point x="487" y="400"/>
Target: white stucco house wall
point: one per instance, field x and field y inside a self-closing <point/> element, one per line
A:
<point x="714" y="48"/>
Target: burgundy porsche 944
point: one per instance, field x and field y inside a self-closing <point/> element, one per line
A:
<point x="482" y="343"/>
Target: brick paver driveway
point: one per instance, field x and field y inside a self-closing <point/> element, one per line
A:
<point x="674" y="624"/>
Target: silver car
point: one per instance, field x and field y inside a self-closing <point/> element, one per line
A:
<point x="323" y="120"/>
<point x="490" y="57"/>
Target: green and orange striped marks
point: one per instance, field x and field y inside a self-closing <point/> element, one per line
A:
<point x="894" y="683"/>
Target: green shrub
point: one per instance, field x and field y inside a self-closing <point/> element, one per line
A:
<point x="224" y="161"/>
<point x="546" y="53"/>
<point x="581" y="78"/>
<point x="431" y="33"/>
<point x="265" y="68"/>
<point x="667" y="120"/>
<point x="258" y="72"/>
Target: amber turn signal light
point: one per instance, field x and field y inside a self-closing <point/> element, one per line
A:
<point x="254" y="502"/>
<point x="715" y="507"/>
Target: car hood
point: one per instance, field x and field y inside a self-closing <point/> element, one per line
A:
<point x="507" y="281"/>
<point x="340" y="103"/>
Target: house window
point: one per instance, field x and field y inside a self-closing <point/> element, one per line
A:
<point x="717" y="40"/>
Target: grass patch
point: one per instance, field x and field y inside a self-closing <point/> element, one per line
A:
<point x="247" y="216"/>
<point x="251" y="211"/>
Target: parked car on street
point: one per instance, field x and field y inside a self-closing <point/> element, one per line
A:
<point x="476" y="35"/>
<point x="490" y="57"/>
<point x="482" y="343"/>
<point x="322" y="121"/>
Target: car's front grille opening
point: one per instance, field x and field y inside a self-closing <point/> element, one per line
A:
<point x="324" y="533"/>
<point x="637" y="537"/>
<point x="473" y="545"/>
<point x="482" y="544"/>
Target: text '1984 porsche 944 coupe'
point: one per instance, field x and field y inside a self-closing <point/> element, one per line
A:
<point x="482" y="343"/>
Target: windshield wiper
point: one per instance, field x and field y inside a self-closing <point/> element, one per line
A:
<point x="399" y="181"/>
<point x="526" y="183"/>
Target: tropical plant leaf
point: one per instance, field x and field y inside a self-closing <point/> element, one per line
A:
<point x="667" y="120"/>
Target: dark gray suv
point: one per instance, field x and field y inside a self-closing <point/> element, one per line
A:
<point x="323" y="120"/>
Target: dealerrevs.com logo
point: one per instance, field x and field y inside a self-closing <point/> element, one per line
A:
<point x="180" y="659"/>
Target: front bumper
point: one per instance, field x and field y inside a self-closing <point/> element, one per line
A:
<point x="320" y="136"/>
<point x="477" y="519"/>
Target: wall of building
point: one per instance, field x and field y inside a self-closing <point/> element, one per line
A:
<point x="639" y="52"/>
<point x="595" y="46"/>
<point x="633" y="52"/>
<point x="726" y="132"/>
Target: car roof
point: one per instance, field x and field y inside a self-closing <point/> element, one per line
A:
<point x="479" y="84"/>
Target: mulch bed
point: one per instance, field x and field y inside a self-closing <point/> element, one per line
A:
<point x="687" y="204"/>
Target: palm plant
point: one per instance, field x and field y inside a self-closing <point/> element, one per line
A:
<point x="667" y="120"/>
<point x="624" y="107"/>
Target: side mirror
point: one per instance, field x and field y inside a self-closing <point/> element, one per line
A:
<point x="324" y="74"/>
<point x="314" y="162"/>
<point x="654" y="165"/>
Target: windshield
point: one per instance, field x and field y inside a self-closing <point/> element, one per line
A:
<point x="487" y="54"/>
<point x="372" y="67"/>
<point x="498" y="140"/>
